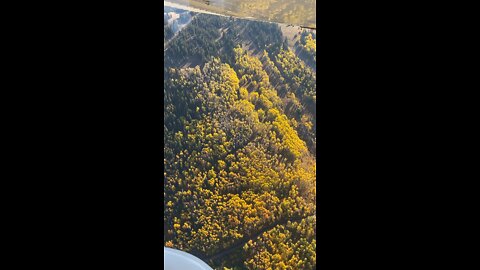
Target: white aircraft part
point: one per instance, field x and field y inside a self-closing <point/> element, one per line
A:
<point x="179" y="260"/>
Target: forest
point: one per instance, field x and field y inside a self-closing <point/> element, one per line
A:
<point x="239" y="145"/>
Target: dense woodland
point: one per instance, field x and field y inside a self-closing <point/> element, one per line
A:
<point x="167" y="31"/>
<point x="240" y="140"/>
<point x="309" y="44"/>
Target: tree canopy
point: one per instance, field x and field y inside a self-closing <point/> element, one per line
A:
<point x="239" y="143"/>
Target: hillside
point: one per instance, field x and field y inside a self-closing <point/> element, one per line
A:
<point x="240" y="142"/>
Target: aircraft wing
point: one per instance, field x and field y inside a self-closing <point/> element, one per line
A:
<point x="179" y="260"/>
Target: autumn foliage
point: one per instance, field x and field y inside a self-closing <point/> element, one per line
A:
<point x="240" y="159"/>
